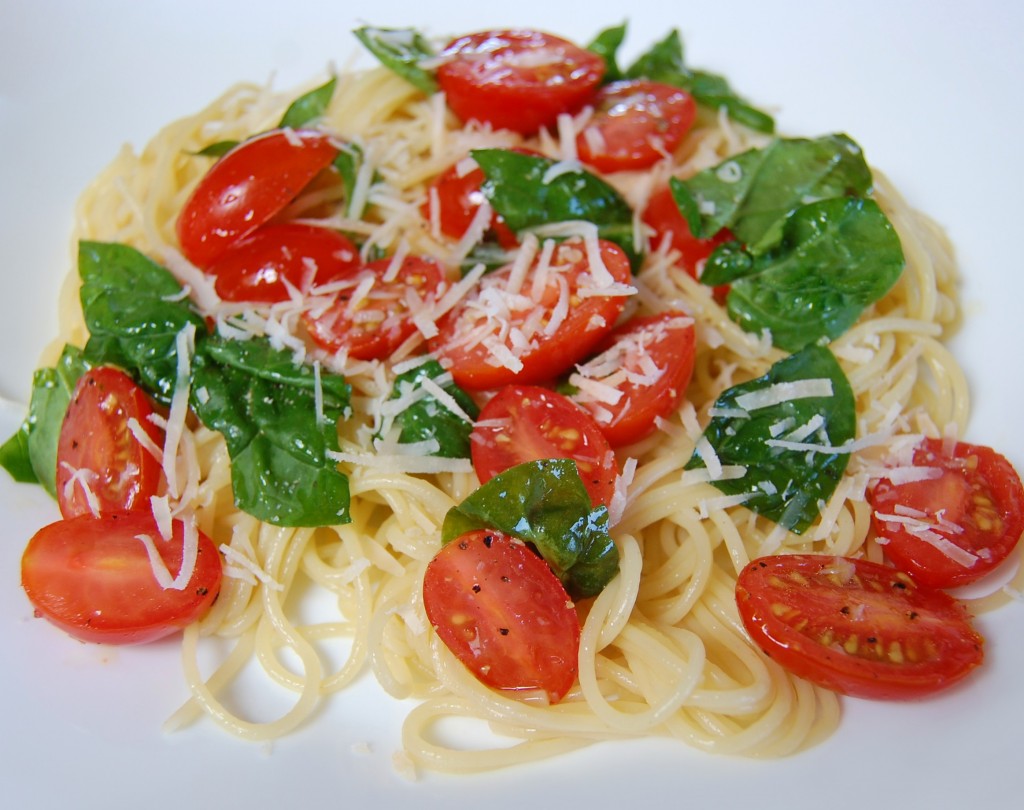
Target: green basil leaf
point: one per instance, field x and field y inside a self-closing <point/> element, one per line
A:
<point x="546" y="504"/>
<point x="787" y="484"/>
<point x="606" y="45"/>
<point x="217" y="150"/>
<point x="348" y="163"/>
<point x="134" y="311"/>
<point x="426" y="418"/>
<point x="401" y="50"/>
<point x="833" y="260"/>
<point x="15" y="457"/>
<point x="309" y="107"/>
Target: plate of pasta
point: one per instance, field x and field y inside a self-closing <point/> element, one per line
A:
<point x="503" y="407"/>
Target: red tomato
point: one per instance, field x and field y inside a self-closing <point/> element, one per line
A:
<point x="527" y="423"/>
<point x="663" y="216"/>
<point x="247" y="187"/>
<point x="91" y="576"/>
<point x="458" y="198"/>
<point x="381" y="319"/>
<point x="635" y="124"/>
<point x="257" y="266"/>
<point x="497" y="336"/>
<point x="974" y="508"/>
<point x="518" y="80"/>
<point x="645" y="366"/>
<point x="97" y="452"/>
<point x="856" y="627"/>
<point x="503" y="613"/>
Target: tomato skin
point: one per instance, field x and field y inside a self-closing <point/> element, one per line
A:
<point x="517" y="79"/>
<point x="635" y="124"/>
<point x="255" y="268"/>
<point x="247" y="187"/>
<point x="669" y="341"/>
<point x="547" y="355"/>
<point x="503" y="613"/>
<point x="908" y="640"/>
<point x="458" y="199"/>
<point x="528" y="423"/>
<point x="979" y="498"/>
<point x="95" y="436"/>
<point x="336" y="328"/>
<point x="92" y="577"/>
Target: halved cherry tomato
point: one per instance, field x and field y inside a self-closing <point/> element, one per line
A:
<point x="640" y="374"/>
<point x="856" y="627"/>
<point x="380" y="319"/>
<point x="503" y="613"/>
<point x="954" y="528"/>
<point x="519" y="80"/>
<point x="498" y="335"/>
<point x="663" y="216"/>
<point x="100" y="462"/>
<point x="247" y="187"/>
<point x="635" y="124"/>
<point x="92" y="577"/>
<point x="257" y="267"/>
<point x="458" y="194"/>
<point x="528" y="423"/>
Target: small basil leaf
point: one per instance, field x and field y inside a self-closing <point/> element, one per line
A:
<point x="15" y="458"/>
<point x="784" y="484"/>
<point x="726" y="264"/>
<point x="309" y="107"/>
<point x="834" y="259"/>
<point x="348" y="163"/>
<point x="217" y="150"/>
<point x="606" y="45"/>
<point x="401" y="50"/>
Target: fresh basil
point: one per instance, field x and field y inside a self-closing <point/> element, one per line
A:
<point x="606" y="45"/>
<point x="309" y="107"/>
<point x="401" y="50"/>
<point x="785" y="483"/>
<point x="426" y="418"/>
<point x="217" y="149"/>
<point x="545" y="503"/>
<point x="348" y="163"/>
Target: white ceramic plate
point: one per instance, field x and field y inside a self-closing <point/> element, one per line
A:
<point x="929" y="90"/>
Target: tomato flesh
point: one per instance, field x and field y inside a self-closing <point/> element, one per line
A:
<point x="92" y="577"/>
<point x="519" y="80"/>
<point x="856" y="627"/>
<point x="635" y="124"/>
<point x="380" y="320"/>
<point x="528" y="423"/>
<point x="261" y="267"/>
<point x="101" y="465"/>
<point x="503" y="613"/>
<point x="457" y="195"/>
<point x="951" y="529"/>
<point x="247" y="187"/>
<point x="648" y="362"/>
<point x="496" y="336"/>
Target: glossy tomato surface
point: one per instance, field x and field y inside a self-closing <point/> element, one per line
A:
<point x="456" y="196"/>
<point x="641" y="373"/>
<point x="372" y="314"/>
<point x="499" y="335"/>
<point x="517" y="79"/>
<point x="635" y="124"/>
<point x="263" y="266"/>
<point x="956" y="526"/>
<point x="91" y="576"/>
<point x="856" y="627"/>
<point x="101" y="465"/>
<point x="528" y="423"/>
<point x="247" y="187"/>
<point x="503" y="613"/>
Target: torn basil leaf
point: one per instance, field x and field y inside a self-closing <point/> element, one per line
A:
<point x="309" y="107"/>
<point x="401" y="50"/>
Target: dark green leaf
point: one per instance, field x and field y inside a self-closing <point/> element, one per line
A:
<point x="348" y="163"/>
<point x="546" y="504"/>
<point x="14" y="457"/>
<point x="218" y="149"/>
<point x="784" y="484"/>
<point x="606" y="45"/>
<point x="401" y="50"/>
<point x="309" y="107"/>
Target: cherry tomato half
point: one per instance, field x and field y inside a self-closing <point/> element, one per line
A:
<point x="100" y="462"/>
<point x="635" y="124"/>
<point x="247" y="187"/>
<point x="954" y="528"/>
<point x="640" y="374"/>
<point x="856" y="627"/>
<point x="257" y="267"/>
<point x="458" y="198"/>
<point x="91" y="576"/>
<point x="518" y="80"/>
<point x="527" y="423"/>
<point x="380" y="319"/>
<point x="497" y="336"/>
<point x="503" y="613"/>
